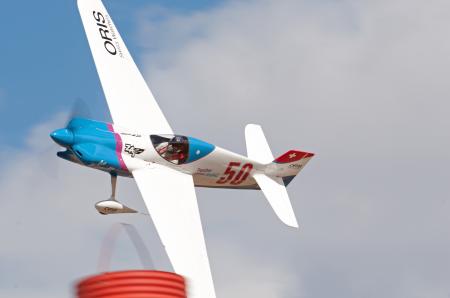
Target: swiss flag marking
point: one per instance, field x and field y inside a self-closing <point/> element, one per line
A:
<point x="293" y="155"/>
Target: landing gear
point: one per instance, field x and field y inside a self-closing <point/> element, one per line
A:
<point x="112" y="206"/>
<point x="113" y="186"/>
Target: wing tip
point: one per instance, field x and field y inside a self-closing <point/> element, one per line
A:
<point x="291" y="222"/>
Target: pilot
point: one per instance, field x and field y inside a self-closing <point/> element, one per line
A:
<point x="177" y="150"/>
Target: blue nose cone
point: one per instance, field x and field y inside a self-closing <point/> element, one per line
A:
<point x="62" y="136"/>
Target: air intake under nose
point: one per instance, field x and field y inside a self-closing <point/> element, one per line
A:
<point x="62" y="136"/>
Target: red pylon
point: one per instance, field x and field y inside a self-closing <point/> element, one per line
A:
<point x="133" y="284"/>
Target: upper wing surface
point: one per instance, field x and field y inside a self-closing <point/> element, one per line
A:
<point x="170" y="199"/>
<point x="130" y="101"/>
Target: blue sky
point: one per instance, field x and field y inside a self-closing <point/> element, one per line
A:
<point x="46" y="63"/>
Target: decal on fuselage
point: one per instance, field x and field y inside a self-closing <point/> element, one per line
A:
<point x="234" y="177"/>
<point x="131" y="134"/>
<point x="206" y="172"/>
<point x="132" y="150"/>
<point x="295" y="166"/>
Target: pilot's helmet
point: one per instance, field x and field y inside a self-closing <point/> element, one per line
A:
<point x="177" y="139"/>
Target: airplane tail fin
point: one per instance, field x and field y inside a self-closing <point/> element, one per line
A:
<point x="278" y="173"/>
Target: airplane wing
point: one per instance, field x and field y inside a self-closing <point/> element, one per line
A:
<point x="130" y="101"/>
<point x="170" y="199"/>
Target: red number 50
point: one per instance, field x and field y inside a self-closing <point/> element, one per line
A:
<point x="229" y="176"/>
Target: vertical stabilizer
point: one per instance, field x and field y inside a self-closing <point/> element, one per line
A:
<point x="288" y="165"/>
<point x="257" y="147"/>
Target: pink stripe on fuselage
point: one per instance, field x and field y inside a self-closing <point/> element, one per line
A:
<point x="118" y="147"/>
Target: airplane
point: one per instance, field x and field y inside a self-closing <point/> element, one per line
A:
<point x="166" y="167"/>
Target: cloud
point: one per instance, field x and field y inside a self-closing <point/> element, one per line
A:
<point x="309" y="63"/>
<point x="362" y="84"/>
<point x="242" y="275"/>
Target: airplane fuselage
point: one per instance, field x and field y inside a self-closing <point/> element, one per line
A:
<point x="119" y="151"/>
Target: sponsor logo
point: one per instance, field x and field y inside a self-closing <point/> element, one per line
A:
<point x="107" y="33"/>
<point x="211" y="175"/>
<point x="295" y="166"/>
<point x="132" y="150"/>
<point x="131" y="134"/>
<point x="206" y="173"/>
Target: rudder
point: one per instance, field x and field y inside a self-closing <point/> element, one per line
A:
<point x="288" y="165"/>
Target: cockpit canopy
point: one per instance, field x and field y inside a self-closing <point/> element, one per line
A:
<point x="179" y="149"/>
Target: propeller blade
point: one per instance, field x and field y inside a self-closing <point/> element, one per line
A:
<point x="79" y="109"/>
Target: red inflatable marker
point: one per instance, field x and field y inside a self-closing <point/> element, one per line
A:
<point x="133" y="284"/>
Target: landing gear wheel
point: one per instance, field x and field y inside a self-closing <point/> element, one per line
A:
<point x="112" y="206"/>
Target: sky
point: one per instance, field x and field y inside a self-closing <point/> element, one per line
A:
<point x="363" y="84"/>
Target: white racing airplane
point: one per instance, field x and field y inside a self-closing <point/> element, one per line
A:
<point x="166" y="166"/>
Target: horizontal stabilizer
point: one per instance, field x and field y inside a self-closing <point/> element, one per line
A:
<point x="276" y="193"/>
